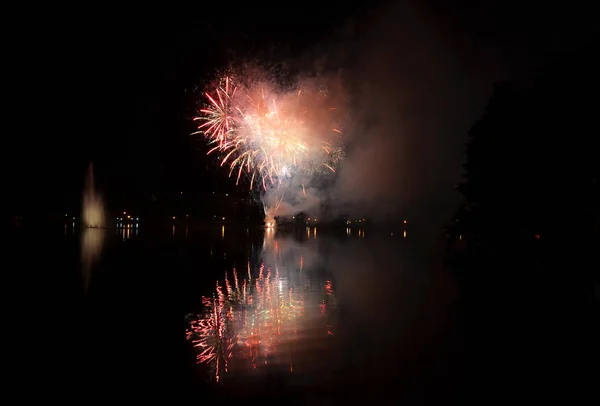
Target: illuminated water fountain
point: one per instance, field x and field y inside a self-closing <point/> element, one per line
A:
<point x="93" y="215"/>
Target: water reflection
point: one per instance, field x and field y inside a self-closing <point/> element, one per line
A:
<point x="70" y="230"/>
<point x="127" y="231"/>
<point x="272" y="315"/>
<point x="356" y="319"/>
<point x="92" y="243"/>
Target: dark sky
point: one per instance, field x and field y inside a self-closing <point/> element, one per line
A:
<point x="118" y="86"/>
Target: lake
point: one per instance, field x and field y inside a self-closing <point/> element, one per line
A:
<point x="225" y="313"/>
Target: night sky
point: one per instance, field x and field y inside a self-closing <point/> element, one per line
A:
<point x="119" y="86"/>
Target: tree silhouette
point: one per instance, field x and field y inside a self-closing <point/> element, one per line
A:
<point x="525" y="240"/>
<point x="532" y="170"/>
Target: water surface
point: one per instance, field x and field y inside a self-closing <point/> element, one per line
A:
<point x="224" y="312"/>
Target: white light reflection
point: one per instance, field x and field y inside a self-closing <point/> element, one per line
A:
<point x="92" y="243"/>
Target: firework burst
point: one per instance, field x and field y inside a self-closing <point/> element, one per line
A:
<point x="269" y="134"/>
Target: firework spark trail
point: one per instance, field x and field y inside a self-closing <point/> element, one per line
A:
<point x="216" y="118"/>
<point x="270" y="134"/>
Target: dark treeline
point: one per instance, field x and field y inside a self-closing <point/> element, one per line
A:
<point x="525" y="242"/>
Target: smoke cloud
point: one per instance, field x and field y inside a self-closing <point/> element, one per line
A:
<point x="413" y="93"/>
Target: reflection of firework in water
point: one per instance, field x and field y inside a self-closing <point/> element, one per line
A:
<point x="271" y="134"/>
<point x="254" y="322"/>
